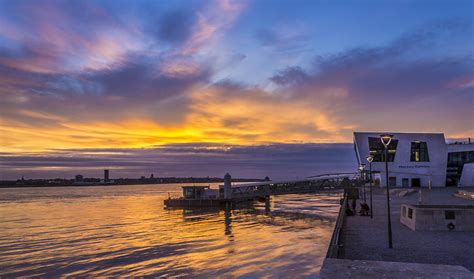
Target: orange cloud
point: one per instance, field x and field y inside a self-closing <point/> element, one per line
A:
<point x="255" y="116"/>
<point x="18" y="137"/>
<point x="216" y="115"/>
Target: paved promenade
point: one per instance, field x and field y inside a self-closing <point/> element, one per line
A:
<point x="360" y="269"/>
<point x="366" y="239"/>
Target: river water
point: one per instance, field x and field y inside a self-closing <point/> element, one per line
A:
<point x="124" y="230"/>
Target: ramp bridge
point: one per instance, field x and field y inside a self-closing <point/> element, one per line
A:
<point x="298" y="186"/>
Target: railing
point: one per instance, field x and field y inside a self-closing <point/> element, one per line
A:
<point x="335" y="244"/>
<point x="334" y="174"/>
<point x="289" y="187"/>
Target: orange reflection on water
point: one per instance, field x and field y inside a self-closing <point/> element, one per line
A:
<point x="124" y="230"/>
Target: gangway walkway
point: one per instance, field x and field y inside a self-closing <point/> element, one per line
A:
<point x="300" y="186"/>
<point x="203" y="196"/>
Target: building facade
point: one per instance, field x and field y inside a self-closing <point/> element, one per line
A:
<point x="416" y="159"/>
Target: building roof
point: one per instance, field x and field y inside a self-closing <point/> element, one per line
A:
<point x="460" y="147"/>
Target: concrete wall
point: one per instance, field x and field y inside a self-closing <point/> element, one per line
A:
<point x="433" y="172"/>
<point x="433" y="218"/>
<point x="408" y="221"/>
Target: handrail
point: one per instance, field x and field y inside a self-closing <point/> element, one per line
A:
<point x="282" y="188"/>
<point x="329" y="174"/>
<point x="335" y="243"/>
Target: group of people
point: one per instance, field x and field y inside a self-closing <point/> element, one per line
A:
<point x="352" y="194"/>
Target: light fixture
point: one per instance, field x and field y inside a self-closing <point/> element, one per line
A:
<point x="386" y="139"/>
<point x="370" y="158"/>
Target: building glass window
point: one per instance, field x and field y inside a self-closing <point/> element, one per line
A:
<point x="377" y="149"/>
<point x="189" y="193"/>
<point x="404" y="182"/>
<point x="392" y="181"/>
<point x="419" y="152"/>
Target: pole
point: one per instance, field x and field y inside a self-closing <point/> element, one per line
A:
<point x="364" y="187"/>
<point x="370" y="186"/>
<point x="388" y="200"/>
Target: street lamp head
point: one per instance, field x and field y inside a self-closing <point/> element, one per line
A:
<point x="362" y="167"/>
<point x="370" y="158"/>
<point x="386" y="139"/>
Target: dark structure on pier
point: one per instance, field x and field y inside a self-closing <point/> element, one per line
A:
<point x="203" y="196"/>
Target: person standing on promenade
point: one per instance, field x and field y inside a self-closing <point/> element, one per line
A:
<point x="352" y="193"/>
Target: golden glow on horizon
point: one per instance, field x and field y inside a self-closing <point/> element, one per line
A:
<point x="134" y="134"/>
<point x="215" y="117"/>
<point x="243" y="117"/>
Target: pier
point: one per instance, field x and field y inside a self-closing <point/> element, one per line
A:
<point x="204" y="196"/>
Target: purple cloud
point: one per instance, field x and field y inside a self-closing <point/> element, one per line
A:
<point x="401" y="89"/>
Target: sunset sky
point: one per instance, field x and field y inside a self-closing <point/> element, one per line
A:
<point x="204" y="87"/>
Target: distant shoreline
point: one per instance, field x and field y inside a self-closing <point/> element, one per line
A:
<point x="36" y="183"/>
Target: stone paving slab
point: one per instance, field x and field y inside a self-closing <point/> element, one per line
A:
<point x="354" y="269"/>
<point x="366" y="239"/>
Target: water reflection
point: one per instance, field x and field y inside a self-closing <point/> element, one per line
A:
<point x="228" y="223"/>
<point x="112" y="231"/>
<point x="248" y="212"/>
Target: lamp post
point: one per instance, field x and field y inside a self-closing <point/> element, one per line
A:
<point x="362" y="168"/>
<point x="386" y="139"/>
<point x="370" y="158"/>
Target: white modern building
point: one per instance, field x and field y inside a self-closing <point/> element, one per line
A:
<point x="417" y="159"/>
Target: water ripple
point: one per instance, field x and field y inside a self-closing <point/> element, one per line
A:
<point x="125" y="231"/>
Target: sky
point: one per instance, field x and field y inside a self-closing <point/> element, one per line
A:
<point x="200" y="88"/>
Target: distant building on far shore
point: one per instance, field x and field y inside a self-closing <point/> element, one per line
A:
<point x="79" y="178"/>
<point x="106" y="175"/>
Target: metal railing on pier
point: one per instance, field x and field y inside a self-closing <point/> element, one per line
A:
<point x="306" y="185"/>
<point x="336" y="241"/>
